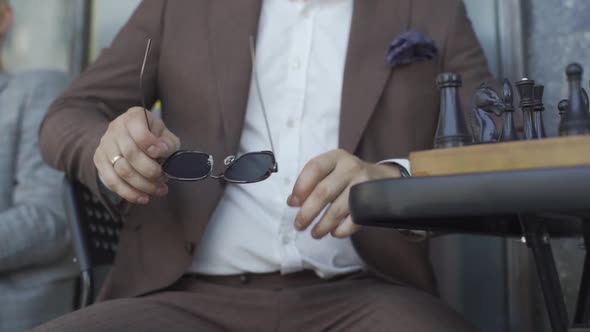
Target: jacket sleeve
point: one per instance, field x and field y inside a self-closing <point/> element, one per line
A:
<point x="77" y="120"/>
<point x="34" y="230"/>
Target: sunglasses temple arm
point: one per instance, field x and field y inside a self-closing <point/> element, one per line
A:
<point x="258" y="91"/>
<point x="141" y="92"/>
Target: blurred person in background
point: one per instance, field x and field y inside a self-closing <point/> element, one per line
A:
<point x="36" y="271"/>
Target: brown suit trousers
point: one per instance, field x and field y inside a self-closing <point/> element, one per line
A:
<point x="359" y="302"/>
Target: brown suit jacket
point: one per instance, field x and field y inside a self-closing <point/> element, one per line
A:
<point x="200" y="69"/>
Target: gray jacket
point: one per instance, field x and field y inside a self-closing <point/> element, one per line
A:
<point x="36" y="269"/>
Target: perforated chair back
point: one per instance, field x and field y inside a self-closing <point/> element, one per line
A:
<point x="95" y="235"/>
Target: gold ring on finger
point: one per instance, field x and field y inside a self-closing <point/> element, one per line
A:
<point x="115" y="159"/>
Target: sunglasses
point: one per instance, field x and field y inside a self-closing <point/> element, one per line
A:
<point x="195" y="165"/>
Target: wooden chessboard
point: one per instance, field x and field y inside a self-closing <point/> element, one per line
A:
<point x="545" y="153"/>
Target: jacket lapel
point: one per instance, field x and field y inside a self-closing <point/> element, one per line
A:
<point x="231" y="24"/>
<point x="374" y="25"/>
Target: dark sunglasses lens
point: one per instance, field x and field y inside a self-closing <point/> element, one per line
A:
<point x="188" y="165"/>
<point x="250" y="168"/>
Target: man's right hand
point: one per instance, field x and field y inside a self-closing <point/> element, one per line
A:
<point x="137" y="174"/>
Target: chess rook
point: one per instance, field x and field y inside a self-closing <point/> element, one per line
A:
<point x="508" y="130"/>
<point x="452" y="129"/>
<point x="526" y="91"/>
<point x="576" y="120"/>
<point x="538" y="126"/>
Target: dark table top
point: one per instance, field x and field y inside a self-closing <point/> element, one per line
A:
<point x="480" y="203"/>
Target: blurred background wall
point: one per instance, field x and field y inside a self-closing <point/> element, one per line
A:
<point x="43" y="35"/>
<point x="558" y="33"/>
<point x="63" y="34"/>
<point x="490" y="280"/>
<point x="108" y="16"/>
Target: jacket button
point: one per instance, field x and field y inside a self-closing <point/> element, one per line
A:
<point x="190" y="247"/>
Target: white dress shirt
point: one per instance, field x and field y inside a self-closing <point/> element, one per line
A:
<point x="301" y="53"/>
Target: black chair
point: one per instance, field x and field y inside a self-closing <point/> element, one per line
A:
<point x="95" y="235"/>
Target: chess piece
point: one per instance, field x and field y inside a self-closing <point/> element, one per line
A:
<point x="576" y="120"/>
<point x="585" y="99"/>
<point x="525" y="91"/>
<point x="509" y="130"/>
<point x="452" y="129"/>
<point x="538" y="126"/>
<point x="486" y="101"/>
<point x="562" y="107"/>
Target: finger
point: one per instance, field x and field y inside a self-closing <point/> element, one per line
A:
<point x="127" y="173"/>
<point x="325" y="192"/>
<point x="313" y="172"/>
<point x="171" y="140"/>
<point x="156" y="124"/>
<point x="136" y="127"/>
<point x="166" y="137"/>
<point x="141" y="162"/>
<point x="333" y="216"/>
<point x="346" y="228"/>
<point x="124" y="169"/>
<point x="115" y="183"/>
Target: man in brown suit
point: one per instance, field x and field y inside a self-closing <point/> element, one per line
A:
<point x="200" y="68"/>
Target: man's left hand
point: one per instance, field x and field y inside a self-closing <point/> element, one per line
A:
<point x="326" y="181"/>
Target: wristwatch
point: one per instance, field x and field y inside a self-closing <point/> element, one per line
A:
<point x="403" y="171"/>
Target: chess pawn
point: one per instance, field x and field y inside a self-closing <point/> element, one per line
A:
<point x="526" y="90"/>
<point x="576" y="120"/>
<point x="562" y="107"/>
<point x="538" y="126"/>
<point x="452" y="129"/>
<point x="508" y="131"/>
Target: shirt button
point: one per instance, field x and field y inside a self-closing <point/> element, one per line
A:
<point x="287" y="181"/>
<point x="291" y="123"/>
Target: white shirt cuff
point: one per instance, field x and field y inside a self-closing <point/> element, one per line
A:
<point x="405" y="163"/>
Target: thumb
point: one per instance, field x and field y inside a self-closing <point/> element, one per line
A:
<point x="165" y="137"/>
<point x="171" y="140"/>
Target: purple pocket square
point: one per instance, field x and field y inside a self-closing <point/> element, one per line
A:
<point x="409" y="47"/>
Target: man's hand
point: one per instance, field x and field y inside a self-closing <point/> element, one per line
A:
<point x="137" y="174"/>
<point x="326" y="180"/>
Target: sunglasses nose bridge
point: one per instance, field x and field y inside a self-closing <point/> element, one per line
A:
<point x="226" y="162"/>
<point x="216" y="177"/>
